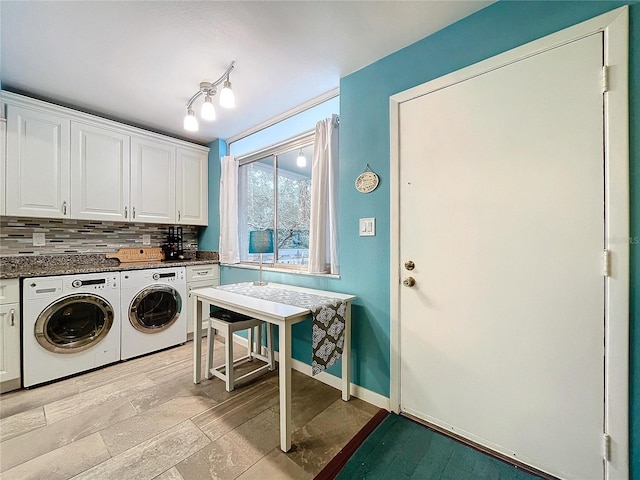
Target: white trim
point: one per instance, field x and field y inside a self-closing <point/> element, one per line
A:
<point x="614" y="24"/>
<point x="356" y="390"/>
<point x="268" y="268"/>
<point x="91" y="119"/>
<point x="283" y="116"/>
<point x="617" y="213"/>
<point x="394" y="260"/>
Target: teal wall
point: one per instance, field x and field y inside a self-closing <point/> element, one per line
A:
<point x="364" y="138"/>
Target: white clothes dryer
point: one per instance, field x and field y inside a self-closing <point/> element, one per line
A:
<point x="154" y="312"/>
<point x="71" y="323"/>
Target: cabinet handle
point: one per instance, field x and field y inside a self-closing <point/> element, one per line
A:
<point x="125" y="212"/>
<point x="178" y="215"/>
<point x="202" y="272"/>
<point x="12" y="316"/>
<point x="64" y="208"/>
<point x="133" y="212"/>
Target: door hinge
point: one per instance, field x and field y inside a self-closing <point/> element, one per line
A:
<point x="605" y="78"/>
<point x="606" y="263"/>
<point x="606" y="447"/>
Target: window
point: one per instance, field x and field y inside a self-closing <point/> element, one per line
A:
<point x="274" y="192"/>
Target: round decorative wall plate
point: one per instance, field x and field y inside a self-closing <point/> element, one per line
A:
<point x="367" y="181"/>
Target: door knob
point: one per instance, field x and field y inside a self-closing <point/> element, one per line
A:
<point x="409" y="265"/>
<point x="409" y="282"/>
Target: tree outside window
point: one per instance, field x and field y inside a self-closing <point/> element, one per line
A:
<point x="275" y="193"/>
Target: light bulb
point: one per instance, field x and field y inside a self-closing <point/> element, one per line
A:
<point x="227" y="98"/>
<point x="208" y="111"/>
<point x="301" y="161"/>
<point x="190" y="121"/>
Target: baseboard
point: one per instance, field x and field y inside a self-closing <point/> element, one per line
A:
<point x="10" y="385"/>
<point x="357" y="391"/>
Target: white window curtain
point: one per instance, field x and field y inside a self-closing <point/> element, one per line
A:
<point x="229" y="243"/>
<point x="323" y="233"/>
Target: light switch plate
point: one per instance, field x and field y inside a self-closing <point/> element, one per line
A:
<point x="146" y="239"/>
<point x="38" y="239"/>
<point x="367" y="227"/>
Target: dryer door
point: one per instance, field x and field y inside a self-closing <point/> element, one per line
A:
<point x="155" y="309"/>
<point x="74" y="323"/>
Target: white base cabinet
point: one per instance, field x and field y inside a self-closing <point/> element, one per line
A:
<point x="10" y="375"/>
<point x="200" y="276"/>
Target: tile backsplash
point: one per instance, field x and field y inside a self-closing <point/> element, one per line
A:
<point x="82" y="236"/>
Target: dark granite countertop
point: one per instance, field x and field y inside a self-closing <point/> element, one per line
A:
<point x="45" y="265"/>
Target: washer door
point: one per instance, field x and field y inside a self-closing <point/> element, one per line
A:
<point x="74" y="323"/>
<point x="155" y="309"/>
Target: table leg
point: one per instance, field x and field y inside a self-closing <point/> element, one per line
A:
<point x="210" y="341"/>
<point x="284" y="336"/>
<point x="346" y="356"/>
<point x="197" y="338"/>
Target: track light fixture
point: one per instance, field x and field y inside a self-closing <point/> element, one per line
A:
<point x="209" y="89"/>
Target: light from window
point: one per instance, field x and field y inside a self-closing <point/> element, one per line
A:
<point x="274" y="190"/>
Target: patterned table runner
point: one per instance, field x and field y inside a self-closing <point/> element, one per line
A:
<point x="328" y="318"/>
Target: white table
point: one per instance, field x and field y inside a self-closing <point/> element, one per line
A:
<point x="282" y="315"/>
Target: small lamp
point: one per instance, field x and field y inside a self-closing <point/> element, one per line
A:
<point x="261" y="241"/>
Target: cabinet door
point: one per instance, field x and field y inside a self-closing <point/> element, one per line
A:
<point x="205" y="306"/>
<point x="153" y="186"/>
<point x="37" y="163"/>
<point x="192" y="186"/>
<point x="10" y="345"/>
<point x="3" y="165"/>
<point x="99" y="173"/>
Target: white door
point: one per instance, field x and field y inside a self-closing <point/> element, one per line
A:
<point x="501" y="201"/>
<point x="191" y="187"/>
<point x="153" y="181"/>
<point x="99" y="173"/>
<point x="37" y="164"/>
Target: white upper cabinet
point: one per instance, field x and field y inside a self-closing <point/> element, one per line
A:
<point x="191" y="187"/>
<point x="61" y="163"/>
<point x="37" y="181"/>
<point x="99" y="173"/>
<point x="153" y="181"/>
<point x="3" y="163"/>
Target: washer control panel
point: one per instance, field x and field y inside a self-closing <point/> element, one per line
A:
<point x="101" y="283"/>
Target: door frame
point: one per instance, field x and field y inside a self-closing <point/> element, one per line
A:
<point x="615" y="26"/>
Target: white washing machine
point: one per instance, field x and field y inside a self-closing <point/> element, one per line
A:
<point x="154" y="310"/>
<point x="71" y="323"/>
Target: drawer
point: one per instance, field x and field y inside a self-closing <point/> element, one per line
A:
<point x="202" y="283"/>
<point x="197" y="273"/>
<point x="9" y="291"/>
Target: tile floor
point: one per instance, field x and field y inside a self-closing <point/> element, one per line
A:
<point x="145" y="419"/>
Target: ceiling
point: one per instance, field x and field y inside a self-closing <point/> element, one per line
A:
<point x="139" y="62"/>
